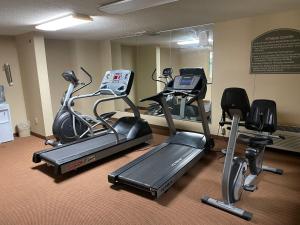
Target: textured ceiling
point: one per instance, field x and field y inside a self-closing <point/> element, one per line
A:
<point x="20" y="16"/>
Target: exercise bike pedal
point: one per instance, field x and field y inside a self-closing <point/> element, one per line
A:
<point x="251" y="188"/>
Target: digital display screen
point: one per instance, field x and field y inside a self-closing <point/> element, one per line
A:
<point x="117" y="76"/>
<point x="186" y="81"/>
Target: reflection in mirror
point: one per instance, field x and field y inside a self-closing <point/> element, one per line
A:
<point x="156" y="58"/>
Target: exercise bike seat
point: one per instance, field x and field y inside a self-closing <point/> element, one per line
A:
<point x="255" y="141"/>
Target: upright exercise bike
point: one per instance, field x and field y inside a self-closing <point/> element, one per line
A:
<point x="261" y="118"/>
<point x="66" y="127"/>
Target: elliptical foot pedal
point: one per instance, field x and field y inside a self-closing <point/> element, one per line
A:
<point x="51" y="142"/>
<point x="107" y="115"/>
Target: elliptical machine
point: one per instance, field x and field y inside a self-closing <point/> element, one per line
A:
<point x="261" y="117"/>
<point x="66" y="127"/>
<point x="154" y="108"/>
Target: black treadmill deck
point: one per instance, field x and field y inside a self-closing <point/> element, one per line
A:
<point x="72" y="152"/>
<point x="157" y="170"/>
<point x="74" y="155"/>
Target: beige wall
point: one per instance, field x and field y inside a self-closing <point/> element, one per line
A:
<point x="145" y="64"/>
<point x="170" y="58"/>
<point x="124" y="57"/>
<point x="42" y="72"/>
<point x="232" y="42"/>
<point x="116" y="55"/>
<point x="59" y="59"/>
<point x="87" y="55"/>
<point x="194" y="58"/>
<point x="105" y="63"/>
<point x="14" y="95"/>
<point x="116" y="58"/>
<point x="129" y="63"/>
<point x="32" y="59"/>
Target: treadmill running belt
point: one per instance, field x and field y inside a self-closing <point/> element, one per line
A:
<point x="71" y="152"/>
<point x="158" y="165"/>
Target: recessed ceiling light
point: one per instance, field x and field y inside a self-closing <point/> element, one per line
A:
<point x="189" y="42"/>
<point x="127" y="6"/>
<point x="64" y="22"/>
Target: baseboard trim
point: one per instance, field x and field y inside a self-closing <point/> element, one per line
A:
<point x="41" y="136"/>
<point x="156" y="129"/>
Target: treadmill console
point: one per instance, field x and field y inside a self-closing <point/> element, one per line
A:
<point x="118" y="81"/>
<point x="192" y="80"/>
<point x="190" y="83"/>
<point x="192" y="71"/>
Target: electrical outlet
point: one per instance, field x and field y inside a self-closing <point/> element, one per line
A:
<point x="223" y="131"/>
<point x="36" y="120"/>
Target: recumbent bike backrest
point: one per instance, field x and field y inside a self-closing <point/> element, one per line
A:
<point x="262" y="116"/>
<point x="235" y="101"/>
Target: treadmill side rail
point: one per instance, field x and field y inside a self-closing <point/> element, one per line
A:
<point x="160" y="188"/>
<point x="36" y="158"/>
<point x="72" y="165"/>
<point x="180" y="158"/>
<point x="132" y="131"/>
<point x="114" y="176"/>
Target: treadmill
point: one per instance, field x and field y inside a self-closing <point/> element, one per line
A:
<point x="157" y="170"/>
<point x="125" y="133"/>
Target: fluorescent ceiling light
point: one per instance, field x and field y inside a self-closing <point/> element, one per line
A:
<point x="127" y="6"/>
<point x="64" y="22"/>
<point x="189" y="42"/>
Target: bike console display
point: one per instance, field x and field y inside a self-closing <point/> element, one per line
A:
<point x="117" y="81"/>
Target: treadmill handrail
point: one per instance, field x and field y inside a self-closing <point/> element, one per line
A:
<point x="160" y="99"/>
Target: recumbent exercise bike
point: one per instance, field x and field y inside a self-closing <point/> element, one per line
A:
<point x="261" y="118"/>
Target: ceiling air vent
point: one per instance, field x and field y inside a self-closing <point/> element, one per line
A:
<point x="127" y="6"/>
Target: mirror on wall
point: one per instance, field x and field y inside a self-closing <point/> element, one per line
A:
<point x="156" y="58"/>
